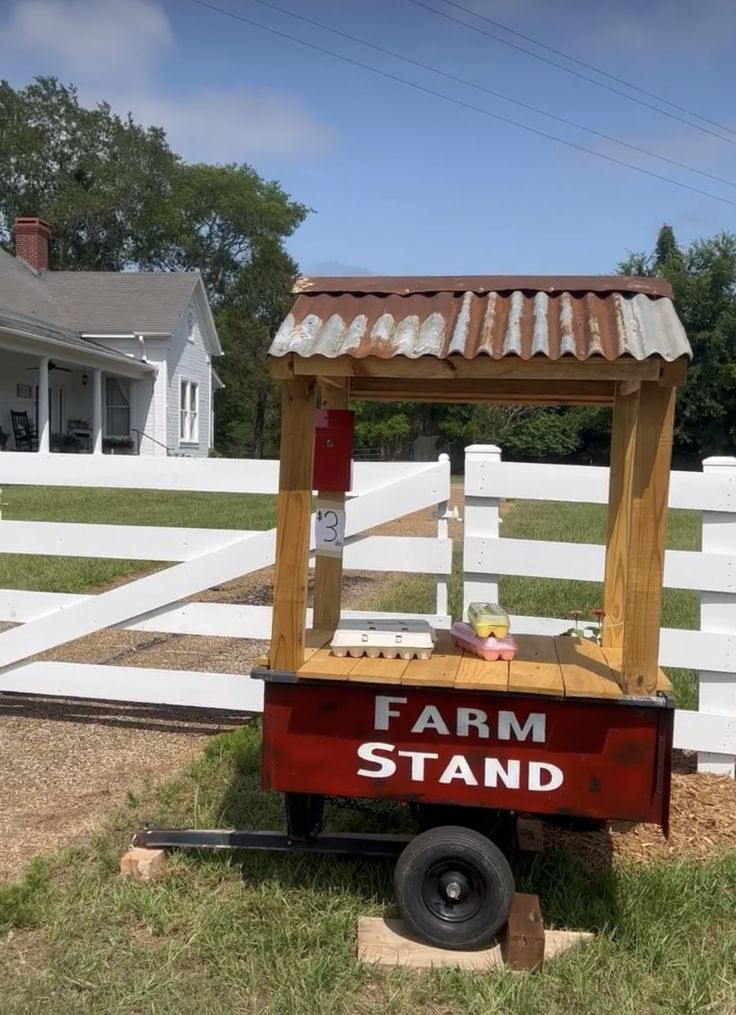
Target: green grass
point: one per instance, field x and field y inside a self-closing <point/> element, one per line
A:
<point x="115" y="507"/>
<point x="276" y="935"/>
<point x="552" y="597"/>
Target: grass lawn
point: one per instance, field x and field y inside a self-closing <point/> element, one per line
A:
<point x="116" y="507"/>
<point x="276" y="935"/>
<point x="551" y="597"/>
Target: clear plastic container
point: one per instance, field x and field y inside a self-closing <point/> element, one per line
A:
<point x="488" y="619"/>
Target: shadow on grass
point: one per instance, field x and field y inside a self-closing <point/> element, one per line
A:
<point x="576" y="890"/>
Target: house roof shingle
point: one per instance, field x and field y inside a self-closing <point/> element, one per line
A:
<point x="65" y="305"/>
<point x="108" y="302"/>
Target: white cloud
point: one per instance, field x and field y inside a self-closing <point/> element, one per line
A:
<point x="219" y="126"/>
<point x="660" y="26"/>
<point x="116" y="50"/>
<point x="109" y="38"/>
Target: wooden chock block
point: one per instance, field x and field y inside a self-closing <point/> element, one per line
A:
<point x="522" y="939"/>
<point x="530" y="835"/>
<point x="388" y="943"/>
<point x="141" y="864"/>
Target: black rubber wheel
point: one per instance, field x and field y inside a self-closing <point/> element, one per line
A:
<point x="454" y="887"/>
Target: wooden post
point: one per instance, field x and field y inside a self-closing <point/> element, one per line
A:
<point x="645" y="557"/>
<point x="293" y="518"/>
<point x="623" y="436"/>
<point x="328" y="569"/>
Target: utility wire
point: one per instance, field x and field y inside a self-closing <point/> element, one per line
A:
<point x="589" y="66"/>
<point x="460" y="102"/>
<point x="568" y="70"/>
<point x="498" y="95"/>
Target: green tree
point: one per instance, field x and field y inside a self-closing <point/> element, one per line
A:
<point x="101" y="182"/>
<point x="703" y="279"/>
<point x="218" y="220"/>
<point x="248" y="411"/>
<point x="526" y="431"/>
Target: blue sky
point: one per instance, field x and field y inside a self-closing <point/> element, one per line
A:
<point x="403" y="182"/>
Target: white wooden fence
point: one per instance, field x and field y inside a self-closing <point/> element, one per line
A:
<point x="711" y="572"/>
<point x="383" y="491"/>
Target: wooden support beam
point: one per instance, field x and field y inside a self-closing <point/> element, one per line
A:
<point x="293" y="518"/>
<point x="623" y="436"/>
<point x="648" y="523"/>
<point x="458" y="368"/>
<point x="328" y="569"/>
<point x="456" y="390"/>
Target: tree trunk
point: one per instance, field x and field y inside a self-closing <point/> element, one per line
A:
<point x="259" y="424"/>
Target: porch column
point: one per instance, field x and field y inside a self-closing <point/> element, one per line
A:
<point x="96" y="412"/>
<point x="43" y="405"/>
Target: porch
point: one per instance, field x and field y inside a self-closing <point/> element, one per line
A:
<point x="87" y="409"/>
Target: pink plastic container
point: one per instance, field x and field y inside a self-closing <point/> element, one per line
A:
<point x="489" y="648"/>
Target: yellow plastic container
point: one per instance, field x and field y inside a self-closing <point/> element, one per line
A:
<point x="488" y="619"/>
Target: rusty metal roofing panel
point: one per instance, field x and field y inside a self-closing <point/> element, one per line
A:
<point x="606" y="317"/>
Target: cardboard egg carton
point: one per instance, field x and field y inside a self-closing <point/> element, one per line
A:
<point x="392" y="639"/>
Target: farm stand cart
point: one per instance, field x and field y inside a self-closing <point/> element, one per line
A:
<point x="568" y="727"/>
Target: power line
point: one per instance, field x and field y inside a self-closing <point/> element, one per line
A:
<point x="589" y="66"/>
<point x="568" y="70"/>
<point x="460" y="102"/>
<point x="498" y="95"/>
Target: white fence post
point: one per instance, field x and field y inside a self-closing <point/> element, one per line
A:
<point x="481" y="514"/>
<point x="443" y="509"/>
<point x="717" y="690"/>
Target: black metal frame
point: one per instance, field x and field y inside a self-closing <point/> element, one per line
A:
<point x="303" y="835"/>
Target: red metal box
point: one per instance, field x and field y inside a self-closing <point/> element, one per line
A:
<point x="597" y="759"/>
<point x="333" y="447"/>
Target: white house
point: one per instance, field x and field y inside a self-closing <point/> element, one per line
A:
<point x="125" y="358"/>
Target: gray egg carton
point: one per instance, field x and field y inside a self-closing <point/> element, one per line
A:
<point x="392" y="639"/>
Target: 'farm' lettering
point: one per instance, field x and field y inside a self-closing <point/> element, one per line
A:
<point x="462" y="722"/>
<point x="537" y="776"/>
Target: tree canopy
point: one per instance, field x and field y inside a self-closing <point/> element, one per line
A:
<point x="703" y="279"/>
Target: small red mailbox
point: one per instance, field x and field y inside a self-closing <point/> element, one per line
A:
<point x="333" y="445"/>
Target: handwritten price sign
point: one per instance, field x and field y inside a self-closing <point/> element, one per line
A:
<point x="329" y="529"/>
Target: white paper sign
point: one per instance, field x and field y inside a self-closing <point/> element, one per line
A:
<point x="329" y="528"/>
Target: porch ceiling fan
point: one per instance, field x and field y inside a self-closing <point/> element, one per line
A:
<point x="53" y="366"/>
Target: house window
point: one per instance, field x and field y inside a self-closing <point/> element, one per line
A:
<point x="188" y="412"/>
<point x="117" y="419"/>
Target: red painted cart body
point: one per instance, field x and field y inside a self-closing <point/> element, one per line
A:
<point x="601" y="759"/>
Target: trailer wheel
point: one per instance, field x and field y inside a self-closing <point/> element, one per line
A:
<point x="454" y="887"/>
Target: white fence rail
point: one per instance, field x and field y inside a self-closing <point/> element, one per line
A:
<point x="203" y="558"/>
<point x="711" y="572"/>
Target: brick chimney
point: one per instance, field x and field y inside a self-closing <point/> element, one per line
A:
<point x="32" y="242"/>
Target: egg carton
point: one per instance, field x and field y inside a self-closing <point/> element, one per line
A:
<point x="488" y="619"/>
<point x="491" y="649"/>
<point x="392" y="639"/>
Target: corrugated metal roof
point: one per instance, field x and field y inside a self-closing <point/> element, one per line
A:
<point x="494" y="316"/>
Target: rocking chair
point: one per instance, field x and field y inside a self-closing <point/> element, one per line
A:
<point x="26" y="438"/>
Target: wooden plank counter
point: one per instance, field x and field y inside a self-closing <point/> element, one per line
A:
<point x="561" y="667"/>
